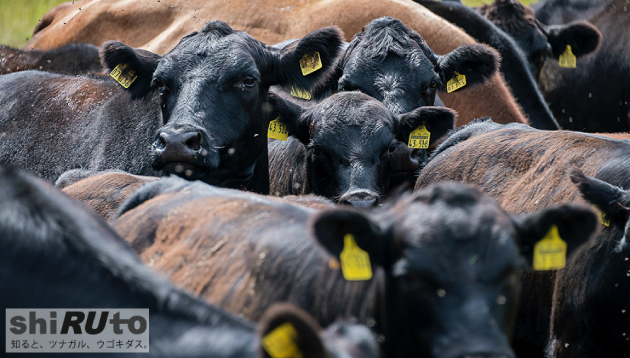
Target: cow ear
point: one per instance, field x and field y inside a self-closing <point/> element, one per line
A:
<point x="582" y="36"/>
<point x="612" y="201"/>
<point x="575" y="226"/>
<point x="143" y="63"/>
<point x="320" y="47"/>
<point x="476" y="62"/>
<point x="438" y="121"/>
<point x="330" y="227"/>
<point x="292" y="115"/>
<point x="285" y="323"/>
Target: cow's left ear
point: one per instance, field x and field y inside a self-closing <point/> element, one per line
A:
<point x="575" y="226"/>
<point x="292" y="115"/>
<point x="287" y="325"/>
<point x="132" y="62"/>
<point x="306" y="62"/>
<point x="582" y="36"/>
<point x="438" y="121"/>
<point x="476" y="62"/>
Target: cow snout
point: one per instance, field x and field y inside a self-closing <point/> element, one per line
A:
<point x="360" y="199"/>
<point x="178" y="145"/>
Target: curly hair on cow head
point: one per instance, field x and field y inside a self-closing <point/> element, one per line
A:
<point x="509" y="15"/>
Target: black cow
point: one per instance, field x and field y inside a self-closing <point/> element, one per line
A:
<point x="203" y="106"/>
<point x="393" y="64"/>
<point x="597" y="277"/>
<point x="445" y="260"/>
<point x="537" y="40"/>
<point x="520" y="63"/>
<point x="345" y="145"/>
<point x="525" y="170"/>
<point x="72" y="59"/>
<point x="560" y="12"/>
<point x="595" y="96"/>
<point x="55" y="253"/>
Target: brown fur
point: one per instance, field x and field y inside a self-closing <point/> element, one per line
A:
<point x="104" y="192"/>
<point x="71" y="59"/>
<point x="185" y="231"/>
<point x="158" y="26"/>
<point x="526" y="170"/>
<point x="510" y="15"/>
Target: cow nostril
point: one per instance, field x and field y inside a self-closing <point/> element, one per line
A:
<point x="194" y="142"/>
<point x="162" y="140"/>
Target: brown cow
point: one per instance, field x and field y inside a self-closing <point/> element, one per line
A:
<point x="243" y="251"/>
<point x="157" y="26"/>
<point x="104" y="191"/>
<point x="525" y="170"/>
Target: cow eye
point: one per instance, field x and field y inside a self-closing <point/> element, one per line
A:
<point x="249" y="81"/>
<point x="392" y="148"/>
<point x="433" y="84"/>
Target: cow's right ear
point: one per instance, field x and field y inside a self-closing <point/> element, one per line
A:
<point x="291" y="115"/>
<point x="330" y="228"/>
<point x="575" y="226"/>
<point x="143" y="63"/>
<point x="289" y="326"/>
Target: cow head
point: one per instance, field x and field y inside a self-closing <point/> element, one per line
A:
<point x="212" y="90"/>
<point x="350" y="139"/>
<point x="452" y="260"/>
<point x="538" y="40"/>
<point x="392" y="63"/>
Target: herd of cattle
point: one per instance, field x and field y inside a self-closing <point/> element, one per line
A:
<point x="248" y="153"/>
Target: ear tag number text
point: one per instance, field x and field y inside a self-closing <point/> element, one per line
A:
<point x="280" y="343"/>
<point x="550" y="253"/>
<point x="277" y="130"/>
<point x="310" y="63"/>
<point x="125" y="78"/>
<point x="419" y="138"/>
<point x="355" y="263"/>
<point x="455" y="83"/>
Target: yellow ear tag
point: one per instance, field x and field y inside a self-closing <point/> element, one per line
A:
<point x="310" y="63"/>
<point x="455" y="83"/>
<point x="567" y="59"/>
<point x="300" y="93"/>
<point x="550" y="253"/>
<point x="419" y="138"/>
<point x="355" y="263"/>
<point x="277" y="130"/>
<point x="280" y="343"/>
<point x="603" y="218"/>
<point x="122" y="77"/>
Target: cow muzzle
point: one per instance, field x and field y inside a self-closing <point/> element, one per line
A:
<point x="182" y="151"/>
<point x="360" y="198"/>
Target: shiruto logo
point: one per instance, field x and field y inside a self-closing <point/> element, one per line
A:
<point x="77" y="330"/>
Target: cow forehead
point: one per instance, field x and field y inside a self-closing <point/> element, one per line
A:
<point x="232" y="53"/>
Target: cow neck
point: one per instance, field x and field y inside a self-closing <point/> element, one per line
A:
<point x="254" y="177"/>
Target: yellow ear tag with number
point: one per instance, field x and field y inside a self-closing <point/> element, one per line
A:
<point x="550" y="253"/>
<point x="455" y="83"/>
<point x="603" y="218"/>
<point x="300" y="93"/>
<point x="310" y="63"/>
<point x="280" y="343"/>
<point x="277" y="130"/>
<point x="122" y="77"/>
<point x="567" y="59"/>
<point x="419" y="138"/>
<point x="355" y="263"/>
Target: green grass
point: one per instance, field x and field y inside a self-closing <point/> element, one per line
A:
<point x="18" y="18"/>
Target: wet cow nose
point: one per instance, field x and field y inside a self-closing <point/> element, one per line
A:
<point x="360" y="199"/>
<point x="187" y="141"/>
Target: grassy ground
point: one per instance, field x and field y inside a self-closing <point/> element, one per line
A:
<point x="18" y="18"/>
